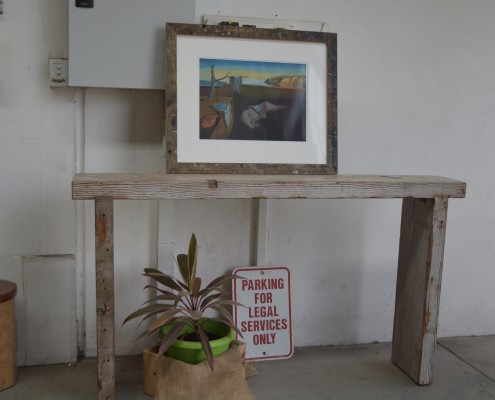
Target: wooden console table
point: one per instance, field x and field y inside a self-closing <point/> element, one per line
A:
<point x="421" y="247"/>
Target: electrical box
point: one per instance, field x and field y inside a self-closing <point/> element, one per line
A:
<point x="121" y="43"/>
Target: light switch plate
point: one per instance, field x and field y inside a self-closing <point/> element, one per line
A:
<point x="58" y="72"/>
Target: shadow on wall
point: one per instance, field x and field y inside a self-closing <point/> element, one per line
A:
<point x="124" y="130"/>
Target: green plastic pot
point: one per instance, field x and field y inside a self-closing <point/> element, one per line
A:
<point x="192" y="352"/>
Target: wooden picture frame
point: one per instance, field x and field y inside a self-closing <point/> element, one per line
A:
<point x="250" y="101"/>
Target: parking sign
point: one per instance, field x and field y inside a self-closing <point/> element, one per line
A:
<point x="265" y="320"/>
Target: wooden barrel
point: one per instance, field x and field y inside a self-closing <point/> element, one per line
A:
<point x="8" y="364"/>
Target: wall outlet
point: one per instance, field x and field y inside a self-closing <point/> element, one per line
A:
<point x="58" y="72"/>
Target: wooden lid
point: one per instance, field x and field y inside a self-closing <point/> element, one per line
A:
<point x="8" y="290"/>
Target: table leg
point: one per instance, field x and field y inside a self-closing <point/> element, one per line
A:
<point x="255" y="216"/>
<point x="105" y="318"/>
<point x="419" y="278"/>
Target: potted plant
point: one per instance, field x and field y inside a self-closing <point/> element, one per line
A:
<point x="187" y="331"/>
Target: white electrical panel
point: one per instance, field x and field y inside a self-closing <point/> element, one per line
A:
<point x="121" y="43"/>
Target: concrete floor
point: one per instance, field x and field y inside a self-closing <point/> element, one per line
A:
<point x="464" y="369"/>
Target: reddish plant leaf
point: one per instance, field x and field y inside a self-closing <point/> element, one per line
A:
<point x="205" y="344"/>
<point x="171" y="337"/>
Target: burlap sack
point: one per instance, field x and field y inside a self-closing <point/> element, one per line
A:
<point x="177" y="380"/>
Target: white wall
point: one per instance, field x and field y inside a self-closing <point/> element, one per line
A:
<point x="37" y="160"/>
<point x="416" y="96"/>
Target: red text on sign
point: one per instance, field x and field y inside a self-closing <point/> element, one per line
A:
<point x="262" y="284"/>
<point x="264" y="338"/>
<point x="264" y="325"/>
<point x="262" y="297"/>
<point x="262" y="311"/>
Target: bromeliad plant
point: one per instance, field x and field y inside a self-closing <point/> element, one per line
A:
<point x="183" y="303"/>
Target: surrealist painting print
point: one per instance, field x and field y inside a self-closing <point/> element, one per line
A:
<point x="252" y="100"/>
<point x="243" y="100"/>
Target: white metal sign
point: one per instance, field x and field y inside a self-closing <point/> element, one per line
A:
<point x="265" y="320"/>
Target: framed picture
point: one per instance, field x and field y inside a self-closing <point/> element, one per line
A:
<point x="250" y="101"/>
